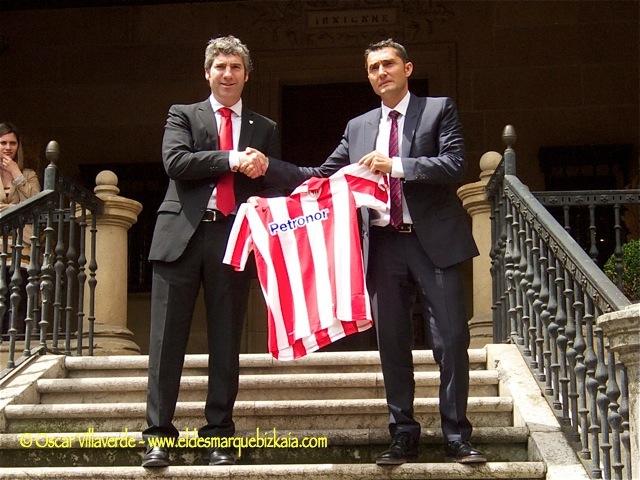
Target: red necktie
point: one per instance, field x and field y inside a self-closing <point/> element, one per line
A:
<point x="395" y="184"/>
<point x="225" y="196"/>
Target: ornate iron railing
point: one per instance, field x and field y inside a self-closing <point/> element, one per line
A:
<point x="576" y="203"/>
<point x="42" y="292"/>
<point x="547" y="295"/>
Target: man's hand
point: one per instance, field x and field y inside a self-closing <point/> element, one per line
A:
<point x="376" y="162"/>
<point x="253" y="163"/>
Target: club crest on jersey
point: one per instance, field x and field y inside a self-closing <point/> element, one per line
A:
<point x="298" y="222"/>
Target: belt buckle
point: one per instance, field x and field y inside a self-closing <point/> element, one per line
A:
<point x="405" y="228"/>
<point x="212" y="216"/>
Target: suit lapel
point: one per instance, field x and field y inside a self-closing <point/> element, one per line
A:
<point x="416" y="105"/>
<point x="208" y="119"/>
<point x="246" y="129"/>
<point x="372" y="124"/>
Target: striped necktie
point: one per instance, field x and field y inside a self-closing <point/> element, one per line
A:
<point x="395" y="184"/>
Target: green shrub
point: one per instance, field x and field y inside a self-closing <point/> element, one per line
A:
<point x="630" y="269"/>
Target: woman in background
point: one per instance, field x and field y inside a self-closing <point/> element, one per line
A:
<point x="18" y="183"/>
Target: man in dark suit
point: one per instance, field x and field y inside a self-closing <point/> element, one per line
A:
<point x="215" y="154"/>
<point x="418" y="141"/>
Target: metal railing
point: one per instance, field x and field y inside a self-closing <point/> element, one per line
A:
<point x="45" y="269"/>
<point x="575" y="204"/>
<point x="547" y="295"/>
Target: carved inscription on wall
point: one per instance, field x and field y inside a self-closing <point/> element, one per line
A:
<point x="352" y="18"/>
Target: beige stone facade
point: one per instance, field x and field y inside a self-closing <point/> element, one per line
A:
<point x="100" y="80"/>
<point x="622" y="328"/>
<point x="475" y="201"/>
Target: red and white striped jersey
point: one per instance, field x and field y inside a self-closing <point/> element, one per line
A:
<point x="309" y="258"/>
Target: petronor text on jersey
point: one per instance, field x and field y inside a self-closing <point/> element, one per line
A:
<point x="298" y="222"/>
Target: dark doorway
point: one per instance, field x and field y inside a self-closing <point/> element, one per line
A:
<point x="146" y="183"/>
<point x="314" y="116"/>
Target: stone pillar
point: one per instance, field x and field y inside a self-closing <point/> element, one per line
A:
<point x="475" y="201"/>
<point x="112" y="337"/>
<point x="622" y="328"/>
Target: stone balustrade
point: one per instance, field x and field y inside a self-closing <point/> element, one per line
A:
<point x="475" y="201"/>
<point x="112" y="336"/>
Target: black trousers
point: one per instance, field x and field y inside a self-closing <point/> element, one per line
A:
<point x="173" y="295"/>
<point x="397" y="266"/>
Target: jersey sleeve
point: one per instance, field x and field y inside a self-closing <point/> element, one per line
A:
<point x="369" y="189"/>
<point x="240" y="241"/>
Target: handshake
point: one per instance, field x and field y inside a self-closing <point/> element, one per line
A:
<point x="253" y="163"/>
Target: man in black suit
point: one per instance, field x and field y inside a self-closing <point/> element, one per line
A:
<point x="216" y="154"/>
<point x="418" y="141"/>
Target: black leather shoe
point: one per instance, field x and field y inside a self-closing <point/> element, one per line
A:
<point x="221" y="456"/>
<point x="463" y="452"/>
<point x="155" y="457"/>
<point x="402" y="449"/>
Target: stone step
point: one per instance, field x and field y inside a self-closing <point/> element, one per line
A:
<point x="258" y="363"/>
<point x="408" y="471"/>
<point x="373" y="436"/>
<point x="342" y="446"/>
<point x="483" y="383"/>
<point x="248" y="415"/>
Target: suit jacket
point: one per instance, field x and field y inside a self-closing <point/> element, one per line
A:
<point x="433" y="163"/>
<point x="193" y="163"/>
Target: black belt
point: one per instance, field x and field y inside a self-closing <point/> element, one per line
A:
<point x="402" y="228"/>
<point x="213" y="216"/>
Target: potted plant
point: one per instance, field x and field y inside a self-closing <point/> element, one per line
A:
<point x="630" y="284"/>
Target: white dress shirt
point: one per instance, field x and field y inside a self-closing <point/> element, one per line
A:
<point x="382" y="146"/>
<point x="236" y="122"/>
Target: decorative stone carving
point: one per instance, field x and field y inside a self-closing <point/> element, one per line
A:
<point x="344" y="23"/>
<point x="112" y="337"/>
<point x="474" y="199"/>
<point x="622" y="328"/>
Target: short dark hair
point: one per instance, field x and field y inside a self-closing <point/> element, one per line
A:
<point x="388" y="43"/>
<point x="228" y="45"/>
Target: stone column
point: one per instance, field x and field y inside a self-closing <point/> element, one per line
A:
<point x="112" y="337"/>
<point x="475" y="201"/>
<point x="622" y="328"/>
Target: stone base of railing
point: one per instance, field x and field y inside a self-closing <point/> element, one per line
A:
<point x="481" y="330"/>
<point x="622" y="328"/>
<point x="107" y="340"/>
<point x="112" y="340"/>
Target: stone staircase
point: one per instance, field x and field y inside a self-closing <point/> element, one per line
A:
<point x="68" y="417"/>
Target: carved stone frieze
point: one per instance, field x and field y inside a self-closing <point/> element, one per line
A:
<point x="351" y="23"/>
<point x="423" y="17"/>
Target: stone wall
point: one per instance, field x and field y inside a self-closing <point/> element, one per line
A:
<point x="100" y="80"/>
